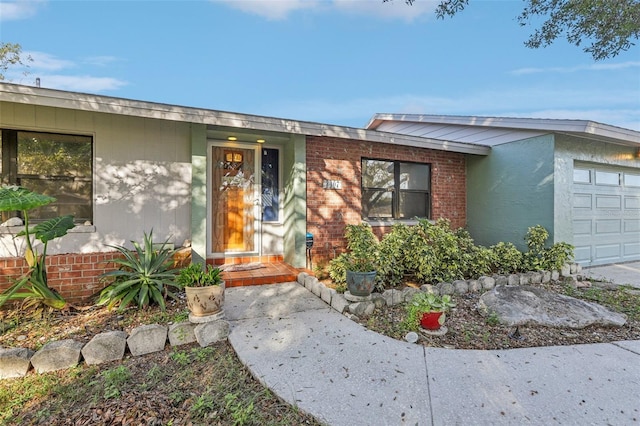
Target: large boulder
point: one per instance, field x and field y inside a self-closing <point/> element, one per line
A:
<point x="526" y="305"/>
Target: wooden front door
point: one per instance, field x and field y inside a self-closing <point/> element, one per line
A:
<point x="233" y="198"/>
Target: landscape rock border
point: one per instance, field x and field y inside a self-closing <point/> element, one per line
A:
<point x="108" y="346"/>
<point x="346" y="305"/>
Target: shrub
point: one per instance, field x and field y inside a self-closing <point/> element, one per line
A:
<point x="144" y="277"/>
<point x="363" y="248"/>
<point x="506" y="258"/>
<point x="539" y="258"/>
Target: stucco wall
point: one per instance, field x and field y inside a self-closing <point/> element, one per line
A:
<point x="142" y="175"/>
<point x="330" y="210"/>
<point x="511" y="190"/>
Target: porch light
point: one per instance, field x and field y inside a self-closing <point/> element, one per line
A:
<point x="260" y="140"/>
<point x="232" y="138"/>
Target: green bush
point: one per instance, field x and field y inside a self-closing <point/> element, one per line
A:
<point x="506" y="258"/>
<point x="144" y="277"/>
<point x="363" y="249"/>
<point x="541" y="258"/>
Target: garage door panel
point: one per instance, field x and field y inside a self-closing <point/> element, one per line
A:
<point x="582" y="253"/>
<point x="582" y="201"/>
<point x="608" y="227"/>
<point x="582" y="228"/>
<point x="608" y="202"/>
<point x="632" y="203"/>
<point x="631" y="250"/>
<point x="632" y="226"/>
<point x="608" y="252"/>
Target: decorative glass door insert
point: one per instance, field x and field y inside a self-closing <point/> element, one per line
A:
<point x="233" y="200"/>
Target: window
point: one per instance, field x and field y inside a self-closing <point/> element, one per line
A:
<point x="581" y="175"/>
<point x="270" y="185"/>
<point x="607" y="178"/>
<point x="395" y="190"/>
<point x="53" y="164"/>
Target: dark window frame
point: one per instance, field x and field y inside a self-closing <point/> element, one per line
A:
<point x="10" y="176"/>
<point x="396" y="191"/>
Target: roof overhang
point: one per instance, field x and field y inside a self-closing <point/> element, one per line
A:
<point x="111" y="105"/>
<point x="580" y="128"/>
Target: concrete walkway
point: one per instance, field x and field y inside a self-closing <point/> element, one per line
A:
<point x="343" y="374"/>
<point x="620" y="273"/>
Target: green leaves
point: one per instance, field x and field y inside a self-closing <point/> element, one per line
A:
<point x="51" y="229"/>
<point x="19" y="198"/>
<point x="144" y="276"/>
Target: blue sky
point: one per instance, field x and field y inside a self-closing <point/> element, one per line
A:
<point x="330" y="61"/>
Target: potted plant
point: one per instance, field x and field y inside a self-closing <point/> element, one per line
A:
<point x="204" y="288"/>
<point x="360" y="261"/>
<point x="428" y="310"/>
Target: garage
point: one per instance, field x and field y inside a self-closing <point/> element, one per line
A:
<point x="606" y="214"/>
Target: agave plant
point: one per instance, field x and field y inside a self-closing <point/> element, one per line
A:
<point x="144" y="276"/>
<point x="32" y="287"/>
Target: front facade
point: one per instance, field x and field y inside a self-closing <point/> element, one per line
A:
<point x="236" y="187"/>
<point x="578" y="179"/>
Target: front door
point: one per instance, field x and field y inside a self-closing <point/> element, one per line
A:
<point x="233" y="200"/>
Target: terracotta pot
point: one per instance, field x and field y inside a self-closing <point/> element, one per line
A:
<point x="361" y="283"/>
<point x="432" y="320"/>
<point x="203" y="301"/>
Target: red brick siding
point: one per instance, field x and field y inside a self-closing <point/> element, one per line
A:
<point x="74" y="276"/>
<point x="329" y="210"/>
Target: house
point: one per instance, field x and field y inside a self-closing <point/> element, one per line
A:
<point x="579" y="179"/>
<point x="239" y="187"/>
<point x="242" y="188"/>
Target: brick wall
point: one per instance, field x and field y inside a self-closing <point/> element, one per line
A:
<point x="329" y="210"/>
<point x="74" y="276"/>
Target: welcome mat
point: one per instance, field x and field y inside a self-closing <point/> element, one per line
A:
<point x="242" y="267"/>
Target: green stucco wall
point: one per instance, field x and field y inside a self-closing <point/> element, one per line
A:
<point x="511" y="190"/>
<point x="295" y="203"/>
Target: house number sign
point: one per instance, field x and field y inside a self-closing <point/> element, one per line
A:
<point x="331" y="184"/>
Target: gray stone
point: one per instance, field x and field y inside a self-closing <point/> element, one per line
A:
<point x="565" y="271"/>
<point x="487" y="283"/>
<point x="310" y="281"/>
<point x="211" y="332"/>
<point x="546" y="276"/>
<point x="446" y="288"/>
<point x="362" y="308"/>
<point x="326" y="294"/>
<point x="378" y="300"/>
<point x="429" y="288"/>
<point x="474" y="286"/>
<point x="524" y="279"/>
<point x="339" y="303"/>
<point x="409" y="292"/>
<point x="393" y="297"/>
<point x="147" y="339"/>
<point x="14" y="362"/>
<point x="573" y="268"/>
<point x="555" y="275"/>
<point x="501" y="280"/>
<point x="182" y="333"/>
<point x="315" y="286"/>
<point x="535" y="277"/>
<point x="13" y="221"/>
<point x="105" y="347"/>
<point x="301" y="277"/>
<point x="58" y="355"/>
<point x="578" y="268"/>
<point x="513" y="279"/>
<point x="520" y="305"/>
<point x="461" y="286"/>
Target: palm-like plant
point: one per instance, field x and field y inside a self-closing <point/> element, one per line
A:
<point x="32" y="287"/>
<point x="144" y="276"/>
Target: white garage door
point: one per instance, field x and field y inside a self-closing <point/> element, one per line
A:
<point x="606" y="214"/>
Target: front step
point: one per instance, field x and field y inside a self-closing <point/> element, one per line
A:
<point x="266" y="273"/>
